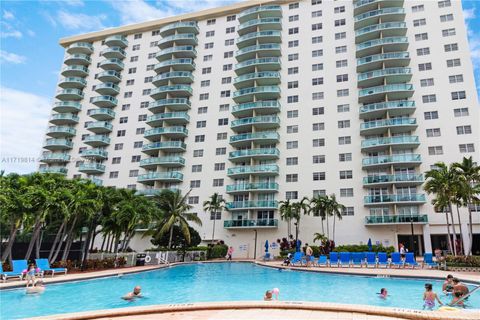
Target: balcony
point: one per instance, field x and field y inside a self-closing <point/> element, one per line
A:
<point x="114" y="53"/>
<point x="269" y="36"/>
<point x="111" y="64"/>
<point x="173" y="77"/>
<point x="260" y="51"/>
<point x="116" y="41"/>
<point x="178" y="104"/>
<point x="152" y="163"/>
<point x="148" y="192"/>
<point x="389" y="60"/>
<point x="64" y="119"/>
<point x="178" y="90"/>
<point x="69" y="94"/>
<point x="172" y="118"/>
<point x="72" y="83"/>
<point x="177" y="52"/>
<point x="259" y="204"/>
<point x="254" y="224"/>
<point x="80" y="47"/>
<point x="168" y="146"/>
<point x="253" y="187"/>
<point x="95" y="180"/>
<point x="383" y="45"/>
<point x="181" y="39"/>
<point x="92" y="168"/>
<point x="101" y="114"/>
<point x="381" y="76"/>
<point x="151" y="177"/>
<point x="58" y="170"/>
<point x="109" y="76"/>
<point x="56" y="157"/>
<point x="183" y="64"/>
<point x="77" y="59"/>
<point x="399" y="142"/>
<point x="58" y="132"/>
<point x="97" y="154"/>
<point x="104" y="101"/>
<point x="267" y="11"/>
<point x="375" y="16"/>
<point x="262" y="64"/>
<point x="262" y="122"/>
<point x="260" y="25"/>
<point x="257" y="78"/>
<point x="172" y="132"/>
<point x="259" y="107"/>
<point x="259" y="93"/>
<point x="396" y="219"/>
<point x="262" y="137"/>
<point x="397" y="179"/>
<point x="258" y="170"/>
<point x="361" y="6"/>
<point x="391" y="91"/>
<point x="395" y="125"/>
<point x="75" y="71"/>
<point x="67" y="106"/>
<point x="58" y="144"/>
<point x="97" y="140"/>
<point x="100" y="127"/>
<point x="393" y="199"/>
<point x="394" y="108"/>
<point x="388" y="29"/>
<point x="258" y="154"/>
<point x="179" y="27"/>
<point x="396" y="160"/>
<point x="108" y="88"/>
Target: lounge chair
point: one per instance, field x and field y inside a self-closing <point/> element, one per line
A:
<point x="357" y="259"/>
<point x="297" y="258"/>
<point x="370" y="260"/>
<point x="322" y="261"/>
<point x="383" y="259"/>
<point x="9" y="274"/>
<point x="345" y="259"/>
<point x="333" y="261"/>
<point x="397" y="260"/>
<point x="18" y="266"/>
<point x="428" y="260"/>
<point x="410" y="260"/>
<point x="44" y="265"/>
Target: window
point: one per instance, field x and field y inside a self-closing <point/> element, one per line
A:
<point x="342" y="77"/>
<point x="227" y="67"/>
<point x="224" y="107"/>
<point x="436" y="150"/>
<point x="340" y="22"/>
<point x="419" y="22"/>
<point x="453" y="63"/>
<point x="317" y="39"/>
<point x="146" y="92"/>
<point x="292" y="84"/>
<point x="341" y="63"/>
<point x="208" y="57"/>
<point x="222" y="136"/>
<point x="151" y="55"/>
<point x="224" y="93"/>
<point x="137" y="36"/>
<point x="232" y="18"/>
<point x="291" y="195"/>
<point x="205" y="83"/>
<point x="443" y="4"/>
<point x="292" y="129"/>
<point x="342" y="93"/>
<point x="318" y="142"/>
<point x="211" y="22"/>
<point x="292" y="114"/>
<point x="318" y="126"/>
<point x="144" y="104"/>
<point x="293" y="57"/>
<point x="446" y="17"/>
<point x="150" y="67"/>
<point x="125" y="107"/>
<point x="418" y="8"/>
<point x="193" y="200"/>
<point x="293" y="43"/>
<point x="135" y="47"/>
<point x="137" y="144"/>
<point x="339" y="9"/>
<point x="223" y="122"/>
<point x="204" y="96"/>
<point x="293" y="6"/>
<point x="201" y="124"/>
<point x="220" y="151"/>
<point x="134" y="59"/>
<point x="218" y="182"/>
<point x="209" y="45"/>
<point x="317" y="67"/>
<point x="113" y="174"/>
<point x="451" y="47"/>
<point x="430" y="115"/>
<point x="346" y="192"/>
<point x="343" y="124"/>
<point x="316" y="26"/>
<point x="464" y="129"/>
<point x="421" y="36"/>
<point x="226" y="80"/>
<point x="197" y="168"/>
<point x="344" y="157"/>
<point x="293" y="70"/>
<point x="116" y="160"/>
<point x="460" y="112"/>
<point x="317" y="96"/>
<point x="118" y="146"/>
<point x="317" y="53"/>
<point x="344" y="140"/>
<point x="347" y="211"/>
<point x="195" y="184"/>
<point x="219" y="166"/>
<point x="466" y="147"/>
<point x="315" y="81"/>
<point x="123" y="120"/>
<point x="423" y="51"/>
<point x="435" y="132"/>
<point x="427" y="82"/>
<point x="458" y="95"/>
<point x="293" y="177"/>
<point x="121" y="133"/>
<point x="140" y="131"/>
<point x="142" y="117"/>
<point x="228" y="54"/>
<point x="317" y="176"/>
<point x="292" y="144"/>
<point x="229" y="42"/>
<point x="133" y="173"/>
<point x="292" y="161"/>
<point x="429" y="98"/>
<point x="319" y="158"/>
<point x="198" y="153"/>
<point x="128" y="94"/>
<point x="200" y="138"/>
<point x="456" y="78"/>
<point x="293" y="18"/>
<point x="318" y="111"/>
<point x="346" y="174"/>
<point x="293" y="30"/>
<point x="343" y="108"/>
<point x="341" y="49"/>
<point x="202" y="110"/>
<point x="148" y="79"/>
<point x="448" y="32"/>
<point x="315" y="2"/>
<point x="316" y="14"/>
<point x="210" y="33"/>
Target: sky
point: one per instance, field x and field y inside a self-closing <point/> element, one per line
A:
<point x="30" y="58"/>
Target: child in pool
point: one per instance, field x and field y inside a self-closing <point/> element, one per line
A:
<point x="456" y="297"/>
<point x="429" y="297"/>
<point x="39" y="287"/>
<point x="30" y="275"/>
<point x="268" y="295"/>
<point x="383" y="293"/>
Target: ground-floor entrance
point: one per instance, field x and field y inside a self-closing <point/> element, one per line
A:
<point x="418" y="246"/>
<point x="441" y="241"/>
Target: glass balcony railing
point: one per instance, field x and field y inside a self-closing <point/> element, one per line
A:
<point x="77" y="59"/>
<point x="275" y="90"/>
<point x="69" y="94"/>
<point x="109" y="75"/>
<point x="59" y="170"/>
<point x="388" y="123"/>
<point x="101" y="114"/>
<point x="423" y="219"/>
<point x="179" y="51"/>
<point x="257" y="22"/>
<point x="184" y="76"/>
<point x="181" y="38"/>
<point x="73" y="71"/>
<point x="171" y="175"/>
<point x="264" y="168"/>
<point x="393" y="178"/>
<point x="72" y="82"/>
<point x="55" y="157"/>
<point x="114" y="52"/>
<point x="263" y="135"/>
<point x="257" y="76"/>
<point x="191" y="26"/>
<point x="92" y="167"/>
<point x="244" y="223"/>
<point x="388" y="198"/>
<point x="64" y="143"/>
<point x="385" y="89"/>
<point x="166" y="130"/>
<point x="253" y="37"/>
<point x="378" y="13"/>
<point x="270" y="204"/>
<point x="80" y="47"/>
<point x="259" y="152"/>
<point x="173" y="104"/>
<point x="175" y="89"/>
<point x="399" y="104"/>
<point x="381" y="27"/>
<point x="61" y="131"/>
<point x="272" y="120"/>
<point x="254" y="62"/>
<point x="97" y="139"/>
<point x="100" y="126"/>
<point x="117" y="41"/>
<point x="176" y="161"/>
<point x="384" y="73"/>
<point x="382" y="42"/>
<point x="272" y="106"/>
<point x="389" y="141"/>
<point x="268" y="47"/>
<point x="171" y="145"/>
<point x="383" y="56"/>
<point x="184" y="63"/>
<point x="115" y="64"/>
<point x="107" y="88"/>
<point x="64" y="118"/>
<point x="263" y="11"/>
<point x="104" y="101"/>
<point x="94" y="153"/>
<point x="181" y="116"/>
<point x="384" y="160"/>
<point x="67" y="106"/>
<point x="266" y="186"/>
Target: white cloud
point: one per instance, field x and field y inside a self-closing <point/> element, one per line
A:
<point x="473" y="37"/>
<point x="74" y="3"/>
<point x="8" y="31"/>
<point x="469" y="14"/>
<point x="8" y="15"/>
<point x="23" y="122"/>
<point x="80" y="21"/>
<point x="31" y="33"/>
<point x="11" y="57"/>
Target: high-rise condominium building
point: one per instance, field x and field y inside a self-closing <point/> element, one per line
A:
<point x="264" y="101"/>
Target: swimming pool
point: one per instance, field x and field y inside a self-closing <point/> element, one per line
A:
<point x="209" y="282"/>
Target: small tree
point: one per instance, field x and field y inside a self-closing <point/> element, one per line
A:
<point x="215" y="204"/>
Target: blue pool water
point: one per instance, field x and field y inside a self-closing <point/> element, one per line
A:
<point x="215" y="282"/>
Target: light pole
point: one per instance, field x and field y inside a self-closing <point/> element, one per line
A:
<point x="255" y="247"/>
<point x="412" y="236"/>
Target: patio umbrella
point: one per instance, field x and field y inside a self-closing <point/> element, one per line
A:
<point x="369" y="244"/>
<point x="266" y="245"/>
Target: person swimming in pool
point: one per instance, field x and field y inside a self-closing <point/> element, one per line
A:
<point x="136" y="293"/>
<point x="456" y="300"/>
<point x="383" y="294"/>
<point x="429" y="297"/>
<point x="268" y="296"/>
<point x="447" y="287"/>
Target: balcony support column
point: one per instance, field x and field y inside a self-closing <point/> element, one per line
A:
<point x="427" y="240"/>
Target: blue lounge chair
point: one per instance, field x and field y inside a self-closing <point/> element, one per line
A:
<point x="428" y="260"/>
<point x="322" y="261"/>
<point x="333" y="259"/>
<point x="266" y="257"/>
<point x="357" y="259"/>
<point x="397" y="260"/>
<point x="383" y="259"/>
<point x="18" y="267"/>
<point x="9" y="274"/>
<point x="370" y="260"/>
<point x="345" y="259"/>
<point x="297" y="259"/>
<point x="44" y="265"/>
<point x="410" y="260"/>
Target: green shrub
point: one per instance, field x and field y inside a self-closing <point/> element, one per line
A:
<point x="364" y="248"/>
<point x="217" y="251"/>
<point x="463" y="261"/>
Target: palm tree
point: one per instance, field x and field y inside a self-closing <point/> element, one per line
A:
<point x="319" y="237"/>
<point x="318" y="207"/>
<point x="299" y="208"/>
<point x="286" y="213"/>
<point x="336" y="210"/>
<point x="215" y="204"/>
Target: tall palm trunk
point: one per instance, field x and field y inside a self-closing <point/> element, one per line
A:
<point x="213" y="231"/>
<point x="106" y="239"/>
<point x="470" y="230"/>
<point x="35" y="233"/>
<point x="323" y="227"/>
<point x="69" y="240"/>
<point x="129" y="239"/>
<point x="170" y="238"/>
<point x="461" y="233"/>
<point x="333" y="231"/>
<point x="56" y="240"/>
<point x="87" y="245"/>
<point x="38" y="244"/>
<point x="7" y="253"/>
<point x="449" y="238"/>
<point x="328" y="228"/>
<point x="453" y="230"/>
<point x="60" y="244"/>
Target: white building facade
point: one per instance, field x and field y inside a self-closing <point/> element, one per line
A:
<point x="264" y="101"/>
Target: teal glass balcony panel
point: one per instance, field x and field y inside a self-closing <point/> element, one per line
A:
<point x="255" y="187"/>
<point x="74" y="71"/>
<point x="94" y="180"/>
<point x="388" y="60"/>
<point x="266" y="11"/>
<point x="100" y="127"/>
<point x="58" y="144"/>
<point x="260" y="25"/>
<point x="174" y="77"/>
<point x="77" y="59"/>
<point x="92" y="168"/>
<point x="58" y="132"/>
<point x="392" y="91"/>
<point x="264" y="169"/>
<point x="260" y="93"/>
<point x="254" y="224"/>
<point x="97" y="140"/>
<point x="72" y="83"/>
<point x="388" y="76"/>
<point x="152" y="163"/>
<point x="261" y="51"/>
<point x="55" y="157"/>
<point x="262" y="64"/>
<point x="96" y="153"/>
<point x="104" y="101"/>
<point x="177" y="104"/>
<point x="112" y="64"/>
<point x="259" y="107"/>
<point x="116" y="41"/>
<point x="268" y="36"/>
<point x="394" y="108"/>
<point x="177" y="52"/>
<point x="264" y="122"/>
<point x="148" y="192"/>
<point x="386" y="179"/>
<point x="394" y="198"/>
<point x="80" y="47"/>
<point x="262" y="137"/>
<point x="374" y="16"/>
<point x="376" y="46"/>
<point x="178" y="39"/>
<point x="172" y="132"/>
<point x="259" y="204"/>
<point x="64" y="119"/>
<point x="361" y="6"/>
<point x="259" y="78"/>
<point x="58" y="170"/>
<point x="114" y="53"/>
<point x="151" y="177"/>
<point x="101" y="114"/>
<point x="69" y="94"/>
<point x="182" y="64"/>
<point x="67" y="106"/>
<point x="169" y="117"/>
<point x="395" y="125"/>
<point x="259" y="154"/>
<point x="400" y="159"/>
<point x="170" y="146"/>
<point x="388" y="29"/>
<point x="396" y="219"/>
<point x="400" y="142"/>
<point x="109" y="76"/>
<point x="108" y="88"/>
<point x="179" y="27"/>
<point x="178" y="90"/>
